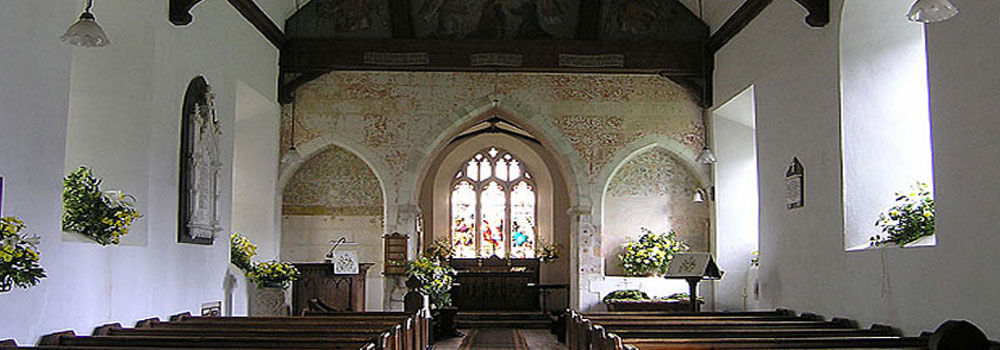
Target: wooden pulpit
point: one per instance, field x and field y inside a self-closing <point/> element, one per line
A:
<point x="341" y="292"/>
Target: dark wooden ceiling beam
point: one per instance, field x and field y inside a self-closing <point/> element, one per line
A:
<point x="260" y="20"/>
<point x="819" y="12"/>
<point x="668" y="59"/>
<point x="180" y="11"/>
<point x="735" y="24"/>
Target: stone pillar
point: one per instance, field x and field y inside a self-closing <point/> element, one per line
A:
<point x="585" y="259"/>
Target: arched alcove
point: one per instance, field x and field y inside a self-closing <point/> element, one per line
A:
<point x="652" y="189"/>
<point x="335" y="194"/>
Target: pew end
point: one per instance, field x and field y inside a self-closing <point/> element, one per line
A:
<point x="958" y="334"/>
<point x="106" y="329"/>
<point x="147" y="323"/>
<point x="844" y="322"/>
<point x="181" y="316"/>
<point x="54" y="338"/>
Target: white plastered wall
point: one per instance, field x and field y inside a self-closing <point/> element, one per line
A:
<point x="133" y="90"/>
<point x="794" y="69"/>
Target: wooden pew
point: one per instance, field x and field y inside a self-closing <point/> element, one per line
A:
<point x="412" y="332"/>
<point x="69" y="339"/>
<point x="595" y="335"/>
<point x="579" y="325"/>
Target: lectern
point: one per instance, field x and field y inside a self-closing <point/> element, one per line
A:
<point x="693" y="268"/>
<point x="341" y="292"/>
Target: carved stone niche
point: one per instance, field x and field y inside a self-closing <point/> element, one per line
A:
<point x="201" y="167"/>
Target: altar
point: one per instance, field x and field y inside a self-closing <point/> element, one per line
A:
<point x="496" y="284"/>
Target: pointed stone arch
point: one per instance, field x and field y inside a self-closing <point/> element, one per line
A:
<point x="567" y="158"/>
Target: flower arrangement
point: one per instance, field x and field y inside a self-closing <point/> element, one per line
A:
<point x="274" y="274"/>
<point x="440" y="250"/>
<point x="241" y="250"/>
<point x="436" y="278"/>
<point x="546" y="252"/>
<point x="651" y="254"/>
<point x="626" y="294"/>
<point x="101" y="216"/>
<point x="910" y="219"/>
<point x="18" y="256"/>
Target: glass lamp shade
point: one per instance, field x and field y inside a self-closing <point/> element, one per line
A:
<point x="86" y="33"/>
<point x="928" y="11"/>
<point x="706" y="156"/>
<point x="699" y="196"/>
<point x="292" y="155"/>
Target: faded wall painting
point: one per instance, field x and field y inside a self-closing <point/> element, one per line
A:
<point x="652" y="190"/>
<point x="649" y="20"/>
<point x="334" y="182"/>
<point x="495" y="19"/>
<point x="398" y="114"/>
<point x="342" y="19"/>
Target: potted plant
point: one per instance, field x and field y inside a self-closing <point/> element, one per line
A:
<point x="101" y="216"/>
<point x="440" y="250"/>
<point x="241" y="252"/>
<point x="273" y="274"/>
<point x="18" y="256"/>
<point x="651" y="253"/>
<point x="911" y="219"/>
<point x="436" y="280"/>
<point x="546" y="252"/>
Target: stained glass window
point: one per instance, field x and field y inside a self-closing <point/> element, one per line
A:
<point x="493" y="207"/>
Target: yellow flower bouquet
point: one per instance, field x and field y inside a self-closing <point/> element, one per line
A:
<point x="274" y="274"/>
<point x="651" y="254"/>
<point x="101" y="216"/>
<point x="18" y="256"/>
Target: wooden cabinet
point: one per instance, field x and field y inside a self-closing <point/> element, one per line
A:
<point x="341" y="292"/>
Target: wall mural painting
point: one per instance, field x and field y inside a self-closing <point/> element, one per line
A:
<point x="395" y="114"/>
<point x="495" y="19"/>
<point x="342" y="19"/>
<point x="648" y="20"/>
<point x="333" y="182"/>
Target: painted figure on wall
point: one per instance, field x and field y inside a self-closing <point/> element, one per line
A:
<point x="346" y="15"/>
<point x="636" y="16"/>
<point x="552" y="12"/>
<point x="492" y="20"/>
<point x="446" y="17"/>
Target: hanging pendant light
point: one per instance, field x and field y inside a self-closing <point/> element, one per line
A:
<point x="699" y="195"/>
<point x="86" y="32"/>
<point x="705" y="156"/>
<point x="293" y="155"/>
<point x="929" y="11"/>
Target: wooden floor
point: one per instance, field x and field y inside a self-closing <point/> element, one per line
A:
<point x="536" y="339"/>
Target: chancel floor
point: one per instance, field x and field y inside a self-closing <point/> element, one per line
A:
<point x="501" y="338"/>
